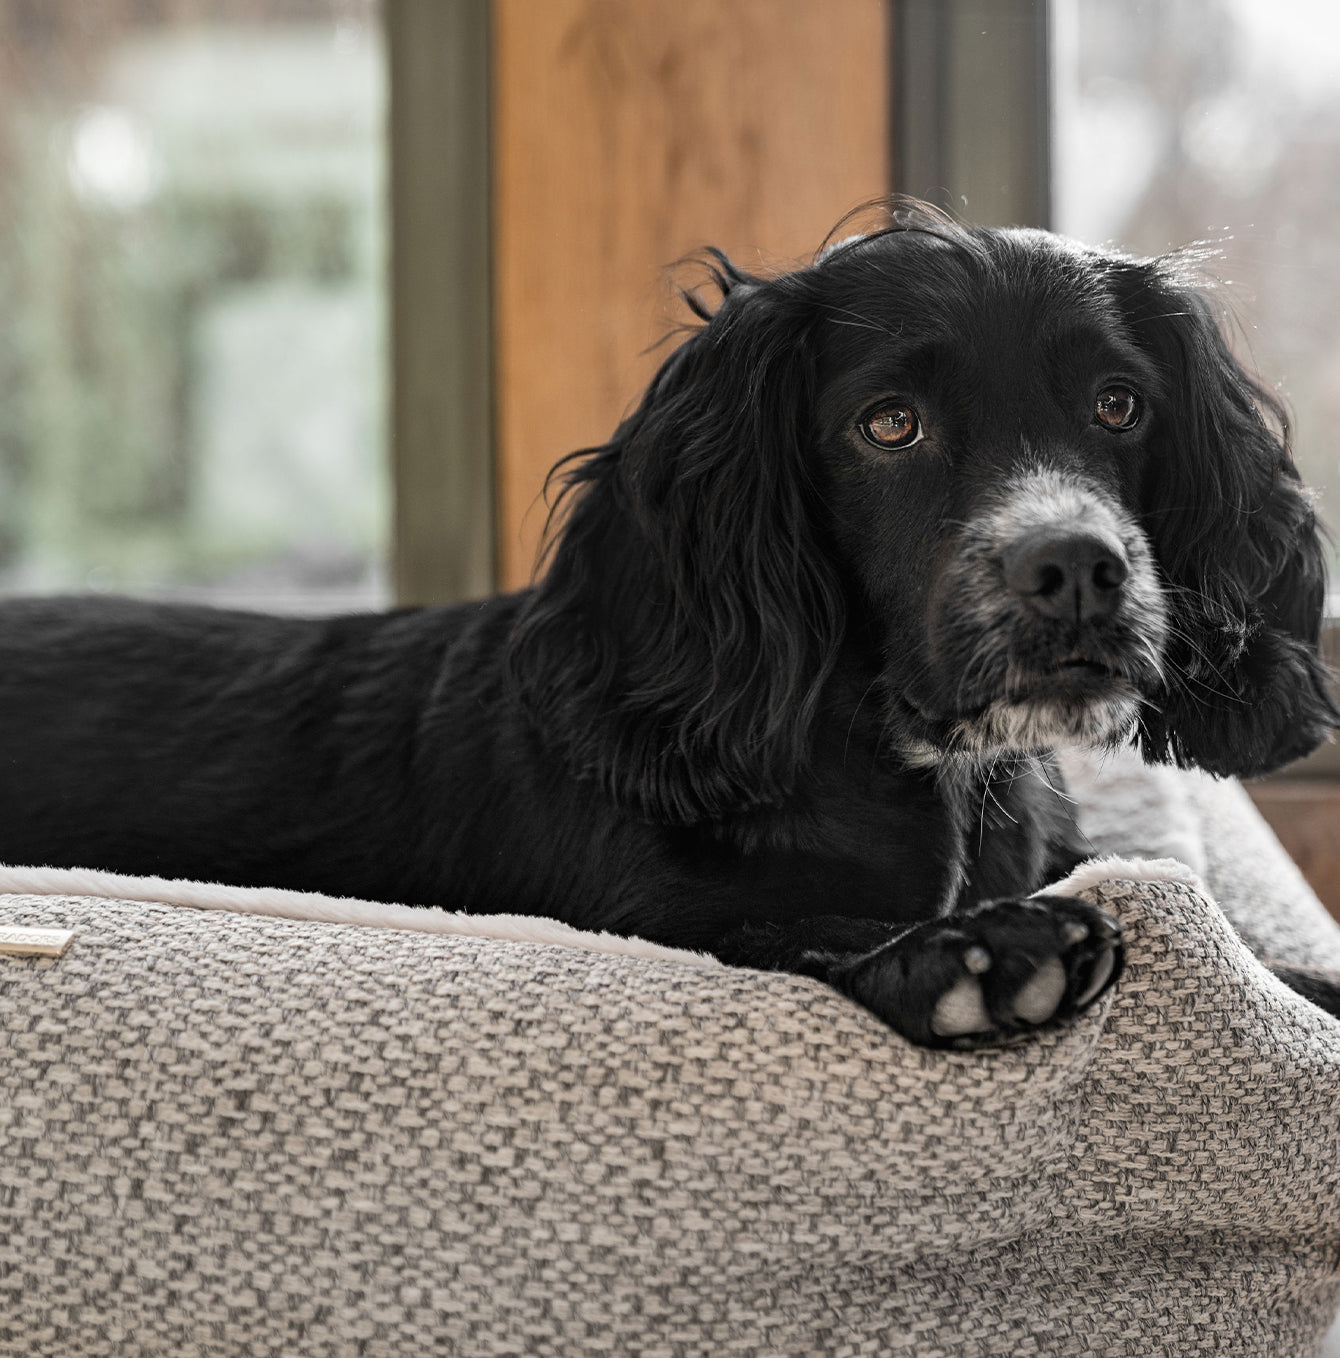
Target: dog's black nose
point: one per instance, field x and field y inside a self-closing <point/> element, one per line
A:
<point x="1062" y="573"/>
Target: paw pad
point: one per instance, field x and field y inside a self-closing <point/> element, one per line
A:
<point x="993" y="973"/>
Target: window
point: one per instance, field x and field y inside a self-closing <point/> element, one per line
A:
<point x="192" y="260"/>
<point x="1218" y="121"/>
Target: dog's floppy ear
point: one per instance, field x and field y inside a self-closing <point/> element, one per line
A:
<point x="1237" y="539"/>
<point x="676" y="647"/>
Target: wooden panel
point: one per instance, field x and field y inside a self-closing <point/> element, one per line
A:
<point x="628" y="133"/>
<point x="1305" y="814"/>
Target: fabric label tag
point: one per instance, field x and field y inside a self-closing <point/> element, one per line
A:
<point x="22" y="942"/>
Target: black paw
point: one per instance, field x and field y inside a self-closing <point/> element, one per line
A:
<point x="987" y="975"/>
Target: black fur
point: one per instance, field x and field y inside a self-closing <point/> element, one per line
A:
<point x="780" y="694"/>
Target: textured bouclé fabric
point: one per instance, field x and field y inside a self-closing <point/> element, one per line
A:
<point x="223" y="1134"/>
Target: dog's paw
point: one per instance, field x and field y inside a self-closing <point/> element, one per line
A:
<point x="988" y="975"/>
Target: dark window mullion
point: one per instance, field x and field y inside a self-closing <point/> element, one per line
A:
<point x="971" y="108"/>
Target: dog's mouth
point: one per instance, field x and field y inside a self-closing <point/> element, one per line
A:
<point x="1075" y="678"/>
<point x="1083" y="666"/>
<point x="1080" y="698"/>
<point x="1076" y="674"/>
<point x="1072" y="688"/>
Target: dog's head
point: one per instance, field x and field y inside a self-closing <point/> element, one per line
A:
<point x="1026" y="482"/>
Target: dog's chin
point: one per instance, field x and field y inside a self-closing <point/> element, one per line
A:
<point x="1040" y="722"/>
<point x="1084" y="709"/>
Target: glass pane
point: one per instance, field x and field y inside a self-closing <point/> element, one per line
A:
<point x="192" y="260"/>
<point x="1219" y="121"/>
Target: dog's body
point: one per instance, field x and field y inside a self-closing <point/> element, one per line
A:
<point x="385" y="757"/>
<point x="880" y="533"/>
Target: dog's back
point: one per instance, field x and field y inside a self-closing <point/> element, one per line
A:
<point x="187" y="741"/>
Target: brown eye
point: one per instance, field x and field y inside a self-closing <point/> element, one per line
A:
<point x="1117" y="408"/>
<point x="892" y="426"/>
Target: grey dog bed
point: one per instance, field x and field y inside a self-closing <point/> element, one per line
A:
<point x="267" y="1133"/>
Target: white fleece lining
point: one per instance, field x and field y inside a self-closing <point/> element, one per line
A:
<point x="1115" y="868"/>
<point x="311" y="906"/>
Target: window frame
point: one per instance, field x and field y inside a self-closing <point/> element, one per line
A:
<point x="972" y="93"/>
<point x="443" y="534"/>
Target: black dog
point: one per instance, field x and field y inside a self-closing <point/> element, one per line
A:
<point x="881" y="532"/>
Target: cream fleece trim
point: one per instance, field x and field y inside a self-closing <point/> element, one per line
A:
<point x="1116" y="868"/>
<point x="311" y="906"/>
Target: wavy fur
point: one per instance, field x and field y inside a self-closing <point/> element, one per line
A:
<point x="678" y="646"/>
<point x="784" y="694"/>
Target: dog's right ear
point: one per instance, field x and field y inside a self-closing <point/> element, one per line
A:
<point x="676" y="647"/>
<point x="1238" y="543"/>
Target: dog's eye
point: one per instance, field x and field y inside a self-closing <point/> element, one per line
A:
<point x="1117" y="408"/>
<point x="894" y="426"/>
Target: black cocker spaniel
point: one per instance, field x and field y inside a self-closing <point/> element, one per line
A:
<point x="882" y="533"/>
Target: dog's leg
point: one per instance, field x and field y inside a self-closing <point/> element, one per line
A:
<point x="978" y="977"/>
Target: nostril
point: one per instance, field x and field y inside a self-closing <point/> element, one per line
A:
<point x="1048" y="578"/>
<point x="1110" y="573"/>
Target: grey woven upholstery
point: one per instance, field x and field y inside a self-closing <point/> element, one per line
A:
<point x="229" y="1135"/>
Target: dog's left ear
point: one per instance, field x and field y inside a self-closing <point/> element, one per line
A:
<point x="1236" y="536"/>
<point x="676" y="649"/>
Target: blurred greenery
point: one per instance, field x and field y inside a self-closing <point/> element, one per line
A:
<point x="192" y="352"/>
